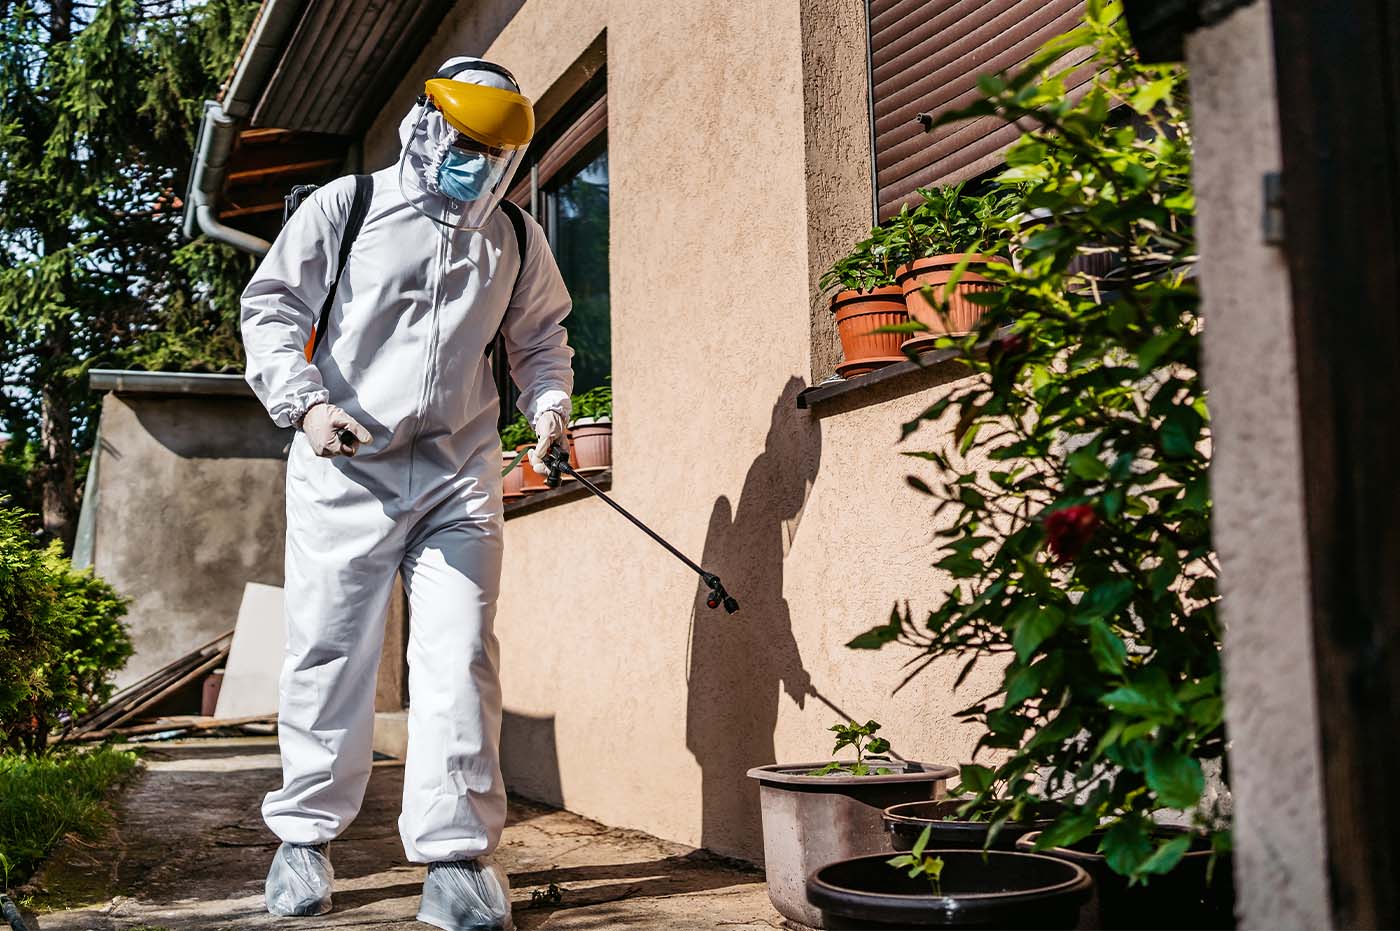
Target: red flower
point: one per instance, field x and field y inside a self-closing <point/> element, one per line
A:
<point x="1069" y="530"/>
<point x="1011" y="344"/>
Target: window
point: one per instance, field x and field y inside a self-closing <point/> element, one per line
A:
<point x="564" y="185"/>
<point x="575" y="217"/>
<point x="925" y="57"/>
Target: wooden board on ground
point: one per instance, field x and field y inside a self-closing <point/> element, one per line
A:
<point x="255" y="656"/>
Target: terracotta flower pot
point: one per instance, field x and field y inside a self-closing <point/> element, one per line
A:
<point x="510" y="485"/>
<point x="532" y="481"/>
<point x="592" y="445"/>
<point x="858" y="315"/>
<point x="934" y="272"/>
<point x="810" y="821"/>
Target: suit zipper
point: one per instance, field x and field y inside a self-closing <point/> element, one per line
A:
<point x="444" y="241"/>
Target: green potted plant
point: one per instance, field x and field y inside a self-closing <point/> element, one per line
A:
<point x="946" y="242"/>
<point x="868" y="303"/>
<point x="962" y="822"/>
<point x="930" y="888"/>
<point x="592" y="430"/>
<point x="1074" y="495"/>
<point x="818" y="813"/>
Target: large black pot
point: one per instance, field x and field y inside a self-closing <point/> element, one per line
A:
<point x="907" y="822"/>
<point x="998" y="889"/>
<point x="1193" y="895"/>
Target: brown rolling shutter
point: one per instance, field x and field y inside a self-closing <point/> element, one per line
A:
<point x="925" y="57"/>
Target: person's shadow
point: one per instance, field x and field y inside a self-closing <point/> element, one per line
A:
<point x="739" y="662"/>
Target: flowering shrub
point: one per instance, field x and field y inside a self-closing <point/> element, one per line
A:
<point x="1073" y="490"/>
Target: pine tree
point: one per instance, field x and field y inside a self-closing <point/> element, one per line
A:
<point x="99" y="106"/>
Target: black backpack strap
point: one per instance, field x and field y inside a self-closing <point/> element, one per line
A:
<point x="517" y="221"/>
<point x="364" y="193"/>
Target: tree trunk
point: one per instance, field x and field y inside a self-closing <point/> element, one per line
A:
<point x="59" y="470"/>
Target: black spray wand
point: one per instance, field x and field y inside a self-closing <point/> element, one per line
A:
<point x="557" y="461"/>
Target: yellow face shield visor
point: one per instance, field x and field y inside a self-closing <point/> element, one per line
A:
<point x="493" y="117"/>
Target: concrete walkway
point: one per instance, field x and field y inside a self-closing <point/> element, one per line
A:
<point x="190" y="852"/>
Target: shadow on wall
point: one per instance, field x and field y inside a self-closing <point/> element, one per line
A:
<point x="530" y="757"/>
<point x="212" y="428"/>
<point x="738" y="663"/>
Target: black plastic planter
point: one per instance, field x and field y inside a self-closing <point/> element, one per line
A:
<point x="997" y="889"/>
<point x="906" y="822"/>
<point x="1193" y="895"/>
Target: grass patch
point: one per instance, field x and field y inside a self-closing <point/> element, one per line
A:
<point x="43" y="798"/>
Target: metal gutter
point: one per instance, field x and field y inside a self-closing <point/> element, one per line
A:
<point x="276" y="19"/>
<point x="169" y="383"/>
<point x="219" y="128"/>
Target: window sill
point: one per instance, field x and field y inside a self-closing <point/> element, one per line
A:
<point x="884" y="384"/>
<point x="567" y="491"/>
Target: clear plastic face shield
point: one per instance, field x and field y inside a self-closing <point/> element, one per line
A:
<point x="461" y="153"/>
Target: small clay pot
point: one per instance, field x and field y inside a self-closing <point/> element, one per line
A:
<point x="510" y="485"/>
<point x="934" y="272"/>
<point x="592" y="445"/>
<point x="858" y="315"/>
<point x="530" y="480"/>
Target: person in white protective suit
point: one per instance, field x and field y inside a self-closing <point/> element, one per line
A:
<point x="396" y="468"/>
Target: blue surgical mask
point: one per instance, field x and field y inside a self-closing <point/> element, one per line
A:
<point x="463" y="175"/>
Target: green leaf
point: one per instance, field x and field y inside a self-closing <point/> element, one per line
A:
<point x="922" y="842"/>
<point x="1176" y="778"/>
<point x="1032" y="631"/>
<point x="1086" y="465"/>
<point x="1167" y="856"/>
<point x="1107" y="648"/>
<point x="1069" y="828"/>
<point x="1126" y="845"/>
<point x="976" y="778"/>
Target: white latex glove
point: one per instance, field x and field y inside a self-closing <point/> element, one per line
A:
<point x="549" y="429"/>
<point x="333" y="432"/>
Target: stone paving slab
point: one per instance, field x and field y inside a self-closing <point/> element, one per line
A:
<point x="190" y="851"/>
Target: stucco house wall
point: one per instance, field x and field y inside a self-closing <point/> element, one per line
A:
<point x="739" y="167"/>
<point x="1257" y="482"/>
<point x="188" y="509"/>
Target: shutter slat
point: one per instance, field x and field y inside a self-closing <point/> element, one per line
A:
<point x="888" y="16"/>
<point x="955" y="71"/>
<point x="926" y="56"/>
<point x="926" y="38"/>
<point x="970" y="149"/>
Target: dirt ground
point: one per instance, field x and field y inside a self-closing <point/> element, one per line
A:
<point x="190" y="851"/>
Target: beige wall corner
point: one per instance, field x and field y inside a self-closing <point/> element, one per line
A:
<point x="1256" y="479"/>
<point x="840" y="195"/>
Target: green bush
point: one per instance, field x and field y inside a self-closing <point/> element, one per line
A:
<point x="595" y="402"/>
<point x="1073" y="485"/>
<point x="42" y="798"/>
<point x="945" y="220"/>
<point x="62" y="637"/>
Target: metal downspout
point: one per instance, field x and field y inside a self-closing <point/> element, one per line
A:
<point x="216" y="136"/>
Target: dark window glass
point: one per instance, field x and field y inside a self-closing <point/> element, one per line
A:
<point x="576" y="218"/>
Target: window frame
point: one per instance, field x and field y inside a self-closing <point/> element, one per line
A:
<point x="577" y="132"/>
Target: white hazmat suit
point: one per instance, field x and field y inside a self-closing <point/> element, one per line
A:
<point x="404" y="355"/>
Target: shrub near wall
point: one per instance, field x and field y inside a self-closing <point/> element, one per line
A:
<point x="1083" y="552"/>
<point x="61" y="636"/>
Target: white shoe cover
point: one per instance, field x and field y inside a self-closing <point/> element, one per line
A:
<point x="299" y="882"/>
<point x="466" y="895"/>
